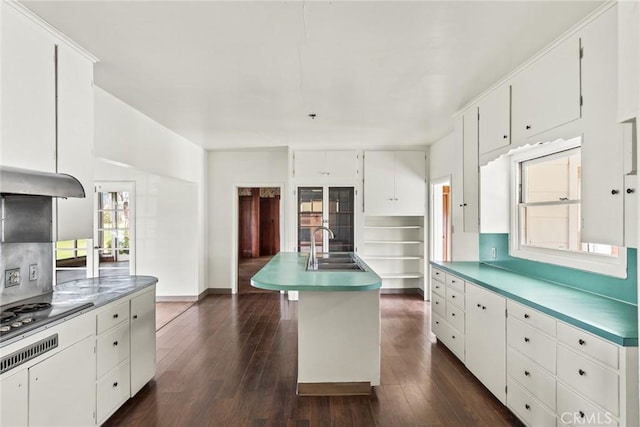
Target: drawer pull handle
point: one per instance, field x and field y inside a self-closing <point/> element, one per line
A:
<point x="581" y="342"/>
<point x="581" y="414"/>
<point x="115" y="316"/>
<point x="135" y="316"/>
<point x="437" y="323"/>
<point x="526" y="339"/>
<point x="484" y="308"/>
<point x="479" y="305"/>
<point x="582" y="372"/>
<point x="453" y="336"/>
<point x="453" y="314"/>
<point x="527" y="373"/>
<point x="527" y="406"/>
<point x="526" y="316"/>
<point x="437" y="303"/>
<point x="453" y="296"/>
<point x="115" y="343"/>
<point x="115" y="384"/>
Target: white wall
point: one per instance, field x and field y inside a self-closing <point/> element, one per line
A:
<point x="229" y="170"/>
<point x="442" y="163"/>
<point x="125" y="136"/>
<point x="166" y="232"/>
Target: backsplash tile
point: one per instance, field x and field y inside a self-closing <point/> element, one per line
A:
<point x="621" y="289"/>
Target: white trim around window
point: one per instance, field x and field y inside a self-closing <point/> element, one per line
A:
<point x="615" y="266"/>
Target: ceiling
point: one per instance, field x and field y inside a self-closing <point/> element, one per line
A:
<point x="248" y="74"/>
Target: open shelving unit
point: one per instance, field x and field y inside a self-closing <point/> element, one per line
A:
<point x="394" y="246"/>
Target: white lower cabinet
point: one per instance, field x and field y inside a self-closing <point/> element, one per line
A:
<point x="485" y="354"/>
<point x="61" y="388"/>
<point x="112" y="390"/>
<point x="547" y="372"/>
<point x="143" y="340"/>
<point x="14" y="399"/>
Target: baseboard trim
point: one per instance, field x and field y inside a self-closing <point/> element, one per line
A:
<point x="217" y="291"/>
<point x="335" y="389"/>
<point x="402" y="291"/>
<point x="176" y="298"/>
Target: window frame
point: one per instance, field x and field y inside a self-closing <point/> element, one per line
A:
<point x="615" y="266"/>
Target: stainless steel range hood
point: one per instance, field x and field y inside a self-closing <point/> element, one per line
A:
<point x="35" y="183"/>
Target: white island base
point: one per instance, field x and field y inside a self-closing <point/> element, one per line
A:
<point x="338" y="342"/>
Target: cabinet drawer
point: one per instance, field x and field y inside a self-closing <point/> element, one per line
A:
<point x="533" y="318"/>
<point x="593" y="381"/>
<point x="453" y="339"/>
<point x="438" y="288"/>
<point x="455" y="297"/>
<point x="532" y="377"/>
<point x="113" y="348"/>
<point x="455" y="317"/>
<point x="585" y="343"/>
<point x="438" y="306"/>
<point x="112" y="391"/>
<point x="438" y="275"/>
<point x="573" y="410"/>
<point x="455" y="282"/>
<point x="532" y="343"/>
<point x="112" y="316"/>
<point x="437" y="323"/>
<point x="528" y="409"/>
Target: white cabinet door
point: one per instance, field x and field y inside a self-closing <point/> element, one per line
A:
<point x="143" y="339"/>
<point x="603" y="144"/>
<point x="409" y="182"/>
<point x="457" y="179"/>
<point x="62" y="388"/>
<point x="75" y="142"/>
<point x="547" y="93"/>
<point x="28" y="94"/>
<point x="14" y="399"/>
<point x="323" y="166"/>
<point x="379" y="183"/>
<point x="628" y="59"/>
<point x="341" y="165"/>
<point x="309" y="164"/>
<point x="470" y="171"/>
<point x="631" y="211"/>
<point x="494" y="123"/>
<point x="486" y="338"/>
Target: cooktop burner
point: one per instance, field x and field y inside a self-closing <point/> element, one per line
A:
<point x="29" y="308"/>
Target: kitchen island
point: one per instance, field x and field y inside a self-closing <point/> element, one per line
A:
<point x="338" y="323"/>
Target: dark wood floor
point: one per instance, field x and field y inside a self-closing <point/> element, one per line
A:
<point x="231" y="361"/>
<point x="247" y="267"/>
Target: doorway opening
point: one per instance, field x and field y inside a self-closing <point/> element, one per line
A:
<point x="114" y="233"/>
<point x="441" y="220"/>
<point x="258" y="232"/>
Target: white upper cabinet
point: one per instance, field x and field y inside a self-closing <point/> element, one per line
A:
<point x="321" y="165"/>
<point x="394" y="182"/>
<point x="494" y="120"/>
<point x="28" y="121"/>
<point x="546" y="94"/>
<point x="75" y="142"/>
<point x="628" y="59"/>
<point x="470" y="198"/>
<point x="603" y="141"/>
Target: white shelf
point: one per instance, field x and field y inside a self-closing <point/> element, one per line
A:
<point x="393" y="227"/>
<point x="401" y="275"/>
<point x="391" y="257"/>
<point x="394" y="242"/>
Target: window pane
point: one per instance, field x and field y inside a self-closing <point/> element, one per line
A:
<point x="553" y="227"/>
<point x="552" y="178"/>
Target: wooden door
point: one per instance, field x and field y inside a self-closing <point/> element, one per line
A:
<point x="269" y="225"/>
<point x="248" y="226"/>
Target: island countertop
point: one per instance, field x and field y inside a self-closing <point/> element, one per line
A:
<point x="611" y="319"/>
<point x="287" y="272"/>
<point x="100" y="290"/>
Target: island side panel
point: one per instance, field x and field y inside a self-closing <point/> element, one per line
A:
<point x="339" y="337"/>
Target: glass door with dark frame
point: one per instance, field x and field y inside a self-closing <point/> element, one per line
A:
<point x="331" y="207"/>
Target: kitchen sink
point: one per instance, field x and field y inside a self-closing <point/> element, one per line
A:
<point x="336" y="261"/>
<point x="340" y="267"/>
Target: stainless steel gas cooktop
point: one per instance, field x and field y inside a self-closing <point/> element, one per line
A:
<point x="28" y="315"/>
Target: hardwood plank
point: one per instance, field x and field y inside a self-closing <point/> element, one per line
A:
<point x="231" y="360"/>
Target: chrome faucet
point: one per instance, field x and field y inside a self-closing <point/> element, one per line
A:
<point x="313" y="258"/>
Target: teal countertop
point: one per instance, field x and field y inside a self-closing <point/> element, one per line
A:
<point x="287" y="272"/>
<point x="611" y="319"/>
